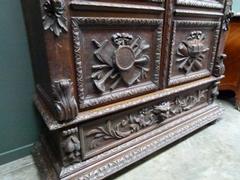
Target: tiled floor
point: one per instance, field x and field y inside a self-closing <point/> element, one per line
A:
<point x="211" y="154"/>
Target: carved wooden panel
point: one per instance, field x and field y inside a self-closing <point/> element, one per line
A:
<point x="193" y="50"/>
<point x="115" y="57"/>
<point x="112" y="130"/>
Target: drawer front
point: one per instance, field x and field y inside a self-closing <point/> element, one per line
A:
<point x="105" y="133"/>
<point x="115" y="58"/>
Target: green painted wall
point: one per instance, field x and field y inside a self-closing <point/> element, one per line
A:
<point x="18" y="119"/>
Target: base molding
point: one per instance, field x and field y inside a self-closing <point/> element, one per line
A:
<point x="120" y="160"/>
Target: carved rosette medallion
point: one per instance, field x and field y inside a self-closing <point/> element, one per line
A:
<point x="191" y="53"/>
<point x="53" y="16"/>
<point x="146" y="117"/>
<point x="120" y="60"/>
<point x="65" y="103"/>
<point x="71" y="146"/>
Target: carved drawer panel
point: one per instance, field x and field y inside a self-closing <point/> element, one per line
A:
<point x="107" y="132"/>
<point x="115" y="58"/>
<point x="193" y="50"/>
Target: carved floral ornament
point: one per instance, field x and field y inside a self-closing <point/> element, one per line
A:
<point x="120" y="60"/>
<point x="146" y="117"/>
<point x="53" y="16"/>
<point x="191" y="53"/>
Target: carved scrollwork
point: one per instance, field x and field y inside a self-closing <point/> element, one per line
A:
<point x="191" y="52"/>
<point x="71" y="146"/>
<point x="122" y="60"/>
<point x="146" y="117"/>
<point x="53" y="16"/>
<point x="219" y="67"/>
<point x="65" y="103"/>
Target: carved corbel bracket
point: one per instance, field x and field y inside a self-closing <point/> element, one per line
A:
<point x="53" y="16"/>
<point x="219" y="67"/>
<point x="65" y="103"/>
<point x="71" y="146"/>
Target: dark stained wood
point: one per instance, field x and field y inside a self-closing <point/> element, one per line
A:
<point x="118" y="80"/>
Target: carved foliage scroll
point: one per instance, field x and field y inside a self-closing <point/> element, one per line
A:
<point x="146" y="117"/>
<point x="71" y="147"/>
<point x="123" y="59"/>
<point x="191" y="52"/>
<point x="65" y="103"/>
<point x="53" y="16"/>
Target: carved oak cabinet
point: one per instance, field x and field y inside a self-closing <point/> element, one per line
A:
<point x="118" y="80"/>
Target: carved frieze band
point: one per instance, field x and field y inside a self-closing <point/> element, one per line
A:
<point x="65" y="104"/>
<point x="122" y="160"/>
<point x="53" y="16"/>
<point x="76" y="27"/>
<point x="70" y="145"/>
<point x="192" y="50"/>
<point x="146" y="117"/>
<point x="201" y="3"/>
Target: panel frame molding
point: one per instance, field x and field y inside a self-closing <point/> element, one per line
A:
<point x="149" y="86"/>
<point x="182" y="78"/>
<point x="204" y="4"/>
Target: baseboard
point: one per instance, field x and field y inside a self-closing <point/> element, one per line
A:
<point x="14" y="154"/>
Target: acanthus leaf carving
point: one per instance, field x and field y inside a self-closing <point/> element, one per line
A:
<point x="219" y="67"/>
<point x="71" y="146"/>
<point x="65" y="104"/>
<point x="191" y="52"/>
<point x="146" y="117"/>
<point x="53" y="16"/>
<point x="122" y="60"/>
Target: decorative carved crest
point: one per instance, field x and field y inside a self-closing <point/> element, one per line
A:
<point x="146" y="117"/>
<point x="53" y="16"/>
<point x="123" y="59"/>
<point x="71" y="146"/>
<point x="219" y="67"/>
<point x="191" y="52"/>
<point x="65" y="103"/>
